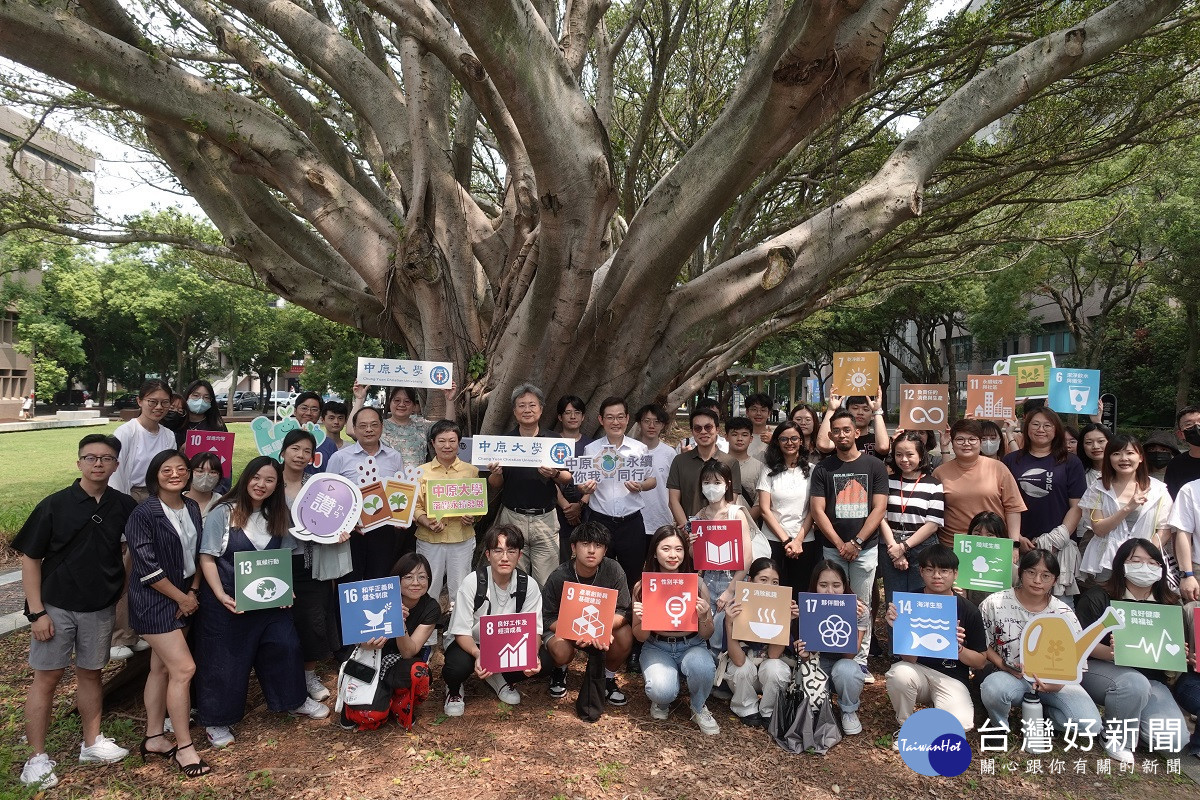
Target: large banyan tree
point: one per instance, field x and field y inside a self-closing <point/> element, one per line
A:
<point x="602" y="197"/>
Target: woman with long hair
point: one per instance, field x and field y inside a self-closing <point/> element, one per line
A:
<point x="783" y="498"/>
<point x="915" y="510"/>
<point x="200" y="412"/>
<point x="252" y="517"/>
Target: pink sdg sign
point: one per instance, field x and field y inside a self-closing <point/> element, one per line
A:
<point x="508" y="642"/>
<point x="327" y="507"/>
<point x="219" y="442"/>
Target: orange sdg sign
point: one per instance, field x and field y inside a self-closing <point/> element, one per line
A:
<point x="923" y="406"/>
<point x="856" y="374"/>
<point x="991" y="396"/>
<point x="586" y="613"/>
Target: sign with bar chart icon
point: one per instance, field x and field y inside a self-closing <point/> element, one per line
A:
<point x="508" y="642"/>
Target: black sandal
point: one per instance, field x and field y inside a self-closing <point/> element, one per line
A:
<point x="148" y="752"/>
<point x="196" y="770"/>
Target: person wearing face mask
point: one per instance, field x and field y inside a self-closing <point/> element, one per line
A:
<point x="1185" y="467"/>
<point x="991" y="444"/>
<point x="1161" y="448"/>
<point x="1130" y="693"/>
<point x="199" y="413"/>
<point x="206" y="474"/>
<point x="1126" y="503"/>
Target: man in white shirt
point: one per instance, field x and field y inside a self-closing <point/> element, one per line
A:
<point x="653" y="420"/>
<point x="1185" y="521"/>
<point x="614" y="503"/>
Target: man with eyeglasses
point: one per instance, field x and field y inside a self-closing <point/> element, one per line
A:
<point x="73" y="573"/>
<point x="617" y="504"/>
<point x="1185" y="467"/>
<point x="498" y="588"/>
<point x="683" y="481"/>
<point x="940" y="682"/>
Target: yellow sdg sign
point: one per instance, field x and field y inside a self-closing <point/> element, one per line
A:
<point x="856" y="374"/>
<point x="1051" y="652"/>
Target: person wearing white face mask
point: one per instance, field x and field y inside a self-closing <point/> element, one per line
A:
<point x="206" y="474"/>
<point x="1129" y="693"/>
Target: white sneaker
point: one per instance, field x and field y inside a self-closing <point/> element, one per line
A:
<point x="104" y="751"/>
<point x="867" y="676"/>
<point x="705" y="722"/>
<point x="316" y="689"/>
<point x="850" y="723"/>
<point x="119" y="653"/>
<point x="659" y="712"/>
<point x="219" y="736"/>
<point x="454" y="705"/>
<point x="139" y="646"/>
<point x="1119" y="753"/>
<point x="311" y="709"/>
<point x="39" y="771"/>
<point x="504" y="690"/>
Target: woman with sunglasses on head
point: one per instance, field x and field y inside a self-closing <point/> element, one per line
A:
<point x="1129" y="693"/>
<point x="1006" y="614"/>
<point x="163" y="536"/>
<point x="1126" y="503"/>
<point x="230" y="643"/>
<point x="1051" y="479"/>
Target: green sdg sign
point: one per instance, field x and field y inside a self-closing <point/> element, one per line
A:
<point x="984" y="563"/>
<point x="262" y="579"/>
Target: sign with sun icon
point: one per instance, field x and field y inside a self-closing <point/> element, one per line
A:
<point x="856" y="374"/>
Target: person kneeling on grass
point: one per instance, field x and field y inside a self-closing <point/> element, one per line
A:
<point x="229" y="643"/>
<point x="589" y="543"/>
<point x="752" y="667"/>
<point x="936" y="681"/>
<point x="498" y="588"/>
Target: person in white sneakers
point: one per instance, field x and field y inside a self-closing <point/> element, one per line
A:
<point x="498" y="588"/>
<point x="73" y="573"/>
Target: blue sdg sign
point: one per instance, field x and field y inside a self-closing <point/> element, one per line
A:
<point x="932" y="742"/>
<point x="439" y="376"/>
<point x="559" y="453"/>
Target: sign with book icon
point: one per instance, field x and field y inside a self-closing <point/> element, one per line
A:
<point x="718" y="544"/>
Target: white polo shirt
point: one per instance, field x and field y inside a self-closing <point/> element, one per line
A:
<point x="361" y="468"/>
<point x="1185" y="516"/>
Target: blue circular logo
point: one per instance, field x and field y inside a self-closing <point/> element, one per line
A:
<point x="932" y="742"/>
<point x="559" y="453"/>
<point x="439" y="376"/>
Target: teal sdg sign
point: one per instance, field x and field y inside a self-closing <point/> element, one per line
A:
<point x="262" y="579"/>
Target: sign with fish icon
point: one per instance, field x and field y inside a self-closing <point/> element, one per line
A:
<point x="926" y="625"/>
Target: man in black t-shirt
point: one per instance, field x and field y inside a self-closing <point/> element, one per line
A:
<point x="588" y="566"/>
<point x="1185" y="467"/>
<point x="935" y="681"/>
<point x="73" y="573"/>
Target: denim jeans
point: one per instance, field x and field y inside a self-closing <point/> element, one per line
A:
<point x="1001" y="691"/>
<point x="846" y="678"/>
<point x="1127" y="694"/>
<point x="861" y="572"/>
<point x="662" y="662"/>
<point x="908" y="580"/>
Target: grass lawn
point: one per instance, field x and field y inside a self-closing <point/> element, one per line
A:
<point x="35" y="463"/>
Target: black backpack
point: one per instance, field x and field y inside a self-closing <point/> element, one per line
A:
<point x="481" y="583"/>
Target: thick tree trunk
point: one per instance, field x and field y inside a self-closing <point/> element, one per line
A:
<point x="1187" y="361"/>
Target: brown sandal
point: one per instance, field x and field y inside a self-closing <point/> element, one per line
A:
<point x="196" y="770"/>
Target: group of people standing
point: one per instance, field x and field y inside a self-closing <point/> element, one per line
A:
<point x="828" y="502"/>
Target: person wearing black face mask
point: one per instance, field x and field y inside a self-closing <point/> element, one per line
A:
<point x="1161" y="447"/>
<point x="1185" y="467"/>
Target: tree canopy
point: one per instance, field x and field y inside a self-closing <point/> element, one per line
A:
<point x="603" y="198"/>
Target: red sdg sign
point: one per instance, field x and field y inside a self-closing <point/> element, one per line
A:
<point x="718" y="544"/>
<point x="669" y="602"/>
<point x="508" y="642"/>
<point x="219" y="442"/>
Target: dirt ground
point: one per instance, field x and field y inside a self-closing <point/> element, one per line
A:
<point x="538" y="749"/>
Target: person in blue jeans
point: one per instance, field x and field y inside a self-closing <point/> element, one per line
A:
<point x="668" y="654"/>
<point x="1005" y="616"/>
<point x="1187" y="686"/>
<point x="844" y="674"/>
<point x="1130" y="693"/>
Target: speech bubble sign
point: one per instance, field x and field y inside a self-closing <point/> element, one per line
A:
<point x="327" y="507"/>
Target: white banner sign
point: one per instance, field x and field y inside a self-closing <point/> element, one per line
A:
<point x="398" y="372"/>
<point x="521" y="451"/>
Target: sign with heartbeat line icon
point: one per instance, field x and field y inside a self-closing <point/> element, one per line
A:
<point x="1152" y="637"/>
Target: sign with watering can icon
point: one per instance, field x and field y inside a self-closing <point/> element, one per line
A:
<point x="1052" y="652"/>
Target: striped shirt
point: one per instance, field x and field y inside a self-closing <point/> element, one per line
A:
<point x="913" y="503"/>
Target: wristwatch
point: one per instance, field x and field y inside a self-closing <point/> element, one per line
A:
<point x="859" y="543"/>
<point x="1189" y="574"/>
<point x="34" y="616"/>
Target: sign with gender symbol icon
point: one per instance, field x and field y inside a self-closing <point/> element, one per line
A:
<point x="669" y="602"/>
<point x="327" y="506"/>
<point x="923" y="406"/>
<point x="828" y="622"/>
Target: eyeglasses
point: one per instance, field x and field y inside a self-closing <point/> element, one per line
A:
<point x="1151" y="562"/>
<point x="789" y="439"/>
<point x="1041" y="426"/>
<point x="615" y="417"/>
<point x="504" y="551"/>
<point x="939" y="570"/>
<point x="1038" y="576"/>
<point x="415" y="577"/>
<point x="966" y="441"/>
<point x="199" y="396"/>
<point x="368" y="426"/>
<point x="90" y="459"/>
<point x="174" y="470"/>
<point x="704" y="428"/>
<point x="157" y="403"/>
